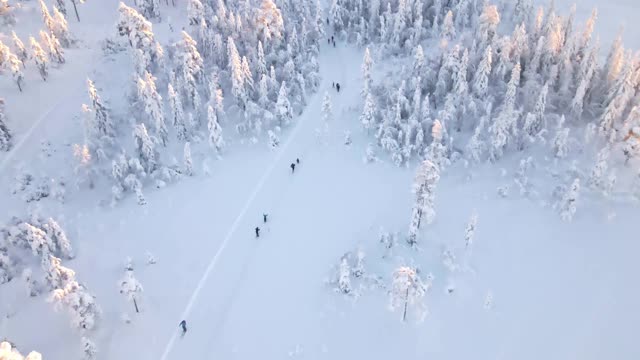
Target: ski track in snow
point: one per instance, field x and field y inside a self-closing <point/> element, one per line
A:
<point x="315" y="100"/>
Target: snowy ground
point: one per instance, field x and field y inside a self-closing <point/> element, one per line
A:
<point x="560" y="290"/>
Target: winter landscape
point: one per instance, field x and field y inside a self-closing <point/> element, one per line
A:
<point x="319" y="179"/>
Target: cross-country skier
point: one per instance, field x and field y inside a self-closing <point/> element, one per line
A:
<point x="333" y="84"/>
<point x="332" y="39"/>
<point x="338" y="87"/>
<point x="293" y="168"/>
<point x="297" y="161"/>
<point x="264" y="217"/>
<point x="257" y="232"/>
<point x="183" y="325"/>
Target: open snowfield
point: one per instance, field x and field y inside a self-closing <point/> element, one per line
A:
<point x="534" y="286"/>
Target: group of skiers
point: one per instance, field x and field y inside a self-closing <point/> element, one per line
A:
<point x="331" y="40"/>
<point x="264" y="216"/>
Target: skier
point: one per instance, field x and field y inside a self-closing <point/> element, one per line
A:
<point x="327" y="21"/>
<point x="297" y="161"/>
<point x="333" y="84"/>
<point x="183" y="325"/>
<point x="328" y="41"/>
<point x="334" y="44"/>
<point x="257" y="232"/>
<point x="293" y="168"/>
<point x="338" y="87"/>
<point x="264" y="217"/>
<point x="332" y="39"/>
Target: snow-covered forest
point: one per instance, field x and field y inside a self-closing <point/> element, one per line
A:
<point x="318" y="178"/>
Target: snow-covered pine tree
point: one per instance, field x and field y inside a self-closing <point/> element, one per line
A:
<point x="131" y="287"/>
<point x="505" y="122"/>
<point x="150" y="9"/>
<point x="145" y="148"/>
<point x="448" y="29"/>
<point x="15" y="66"/>
<point x="40" y="58"/>
<point x="216" y="98"/>
<point x="569" y="199"/>
<point x="270" y="24"/>
<point x="238" y="88"/>
<point x="215" y="130"/>
<point x="61" y="29"/>
<point x="138" y="30"/>
<point x="56" y="275"/>
<point x="18" y="45"/>
<point x="53" y="46"/>
<point x="188" y="163"/>
<point x="5" y="134"/>
<point x="408" y="289"/>
<point x="177" y="114"/>
<point x="534" y="125"/>
<point x="79" y="303"/>
<point x="423" y="188"/>
<point x="488" y="25"/>
<point x="190" y="65"/>
<point x="8" y="352"/>
<point x="59" y="238"/>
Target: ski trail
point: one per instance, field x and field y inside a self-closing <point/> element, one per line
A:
<point x="231" y="232"/>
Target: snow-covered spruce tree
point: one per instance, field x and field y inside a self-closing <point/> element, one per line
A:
<point x="238" y="88"/>
<point x="561" y="141"/>
<point x="79" y="303"/>
<point x="147" y="52"/>
<point x="476" y="145"/>
<point x="6" y="267"/>
<point x="30" y="283"/>
<point x="270" y="25"/>
<point x="368" y="116"/>
<point x="488" y="24"/>
<point x="215" y="130"/>
<point x="190" y="68"/>
<point x="284" y="112"/>
<point x="88" y="347"/>
<point x="408" y="289"/>
<point x="102" y="122"/>
<point x="367" y="64"/>
<point x="131" y="288"/>
<point x="568" y="203"/>
<point x="145" y="148"/>
<point x="216" y="98"/>
<point x="5" y="134"/>
<point x="18" y="45"/>
<point x="327" y="109"/>
<point x="596" y="178"/>
<point x="177" y="114"/>
<point x="274" y="141"/>
<point x="481" y="79"/>
<point x="534" y="124"/>
<point x="8" y="352"/>
<point x="188" y="162"/>
<point x="47" y="19"/>
<point x="195" y="12"/>
<point x="153" y="106"/>
<point x="6" y="13"/>
<point x="423" y="188"/>
<point x="150" y="9"/>
<point x="40" y="57"/>
<point x="470" y="231"/>
<point x="504" y="123"/>
<point x="344" y="276"/>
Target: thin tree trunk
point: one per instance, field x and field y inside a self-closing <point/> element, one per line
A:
<point x="136" y="305"/>
<point x="75" y="8"/>
<point x="419" y="217"/>
<point x="406" y="301"/>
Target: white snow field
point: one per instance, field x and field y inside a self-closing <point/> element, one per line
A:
<point x="531" y="286"/>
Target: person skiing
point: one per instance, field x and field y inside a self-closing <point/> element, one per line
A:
<point x="297" y="161"/>
<point x="257" y="232"/>
<point x="328" y="40"/>
<point x="293" y="168"/>
<point x="264" y="217"/>
<point x="333" y="84"/>
<point x="334" y="44"/>
<point x="338" y="87"/>
<point x="183" y="325"/>
<point x="332" y="39"/>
